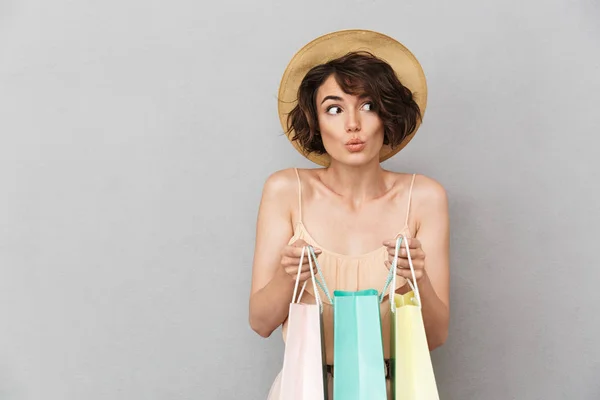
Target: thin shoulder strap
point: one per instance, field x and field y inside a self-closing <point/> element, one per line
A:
<point x="409" y="199"/>
<point x="299" y="195"/>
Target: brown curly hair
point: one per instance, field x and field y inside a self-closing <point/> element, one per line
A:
<point x="357" y="73"/>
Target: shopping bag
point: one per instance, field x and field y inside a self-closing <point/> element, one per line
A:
<point x="359" y="370"/>
<point x="303" y="376"/>
<point x="412" y="371"/>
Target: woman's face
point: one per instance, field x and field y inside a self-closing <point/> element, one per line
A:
<point x="351" y="130"/>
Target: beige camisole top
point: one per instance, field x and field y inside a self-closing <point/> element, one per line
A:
<point x="351" y="273"/>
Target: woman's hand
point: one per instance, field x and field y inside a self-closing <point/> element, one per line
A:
<point x="417" y="256"/>
<point x="290" y="259"/>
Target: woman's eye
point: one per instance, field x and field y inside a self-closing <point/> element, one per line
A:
<point x="333" y="110"/>
<point x="368" y="106"/>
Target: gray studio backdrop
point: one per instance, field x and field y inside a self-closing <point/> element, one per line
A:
<point x="135" y="140"/>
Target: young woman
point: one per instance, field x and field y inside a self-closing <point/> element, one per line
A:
<point x="351" y="112"/>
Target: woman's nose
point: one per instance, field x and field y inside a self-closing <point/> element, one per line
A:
<point x="352" y="122"/>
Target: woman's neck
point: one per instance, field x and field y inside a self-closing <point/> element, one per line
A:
<point x="356" y="184"/>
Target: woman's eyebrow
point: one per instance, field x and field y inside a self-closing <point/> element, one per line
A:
<point x="336" y="98"/>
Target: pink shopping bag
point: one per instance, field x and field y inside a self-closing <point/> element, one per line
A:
<point x="303" y="376"/>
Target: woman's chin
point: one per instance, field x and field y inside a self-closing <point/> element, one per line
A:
<point x="356" y="159"/>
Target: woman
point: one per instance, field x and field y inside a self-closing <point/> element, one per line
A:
<point x="351" y="113"/>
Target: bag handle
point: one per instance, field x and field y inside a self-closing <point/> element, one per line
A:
<point x="393" y="274"/>
<point x="298" y="278"/>
<point x="315" y="282"/>
<point x="321" y="281"/>
<point x="390" y="275"/>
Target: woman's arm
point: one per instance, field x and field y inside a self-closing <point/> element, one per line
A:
<point x="431" y="209"/>
<point x="272" y="288"/>
<point x="430" y="256"/>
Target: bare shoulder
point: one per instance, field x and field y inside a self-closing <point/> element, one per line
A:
<point x="424" y="187"/>
<point x="286" y="180"/>
<point x="429" y="199"/>
<point x="429" y="191"/>
<point x="426" y="191"/>
<point x="281" y="183"/>
<point x="430" y="204"/>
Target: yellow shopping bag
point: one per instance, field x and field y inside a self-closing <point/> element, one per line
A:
<point x="412" y="371"/>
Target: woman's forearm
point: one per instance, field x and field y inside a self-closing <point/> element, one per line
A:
<point x="269" y="306"/>
<point x="436" y="315"/>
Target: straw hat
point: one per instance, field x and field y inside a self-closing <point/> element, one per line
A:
<point x="337" y="44"/>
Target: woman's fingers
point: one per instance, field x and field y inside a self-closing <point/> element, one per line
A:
<point x="404" y="264"/>
<point x="296" y="251"/>
<point x="406" y="273"/>
<point x="291" y="256"/>
<point x="414" y="254"/>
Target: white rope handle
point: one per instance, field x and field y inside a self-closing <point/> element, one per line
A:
<point x="298" y="277"/>
<point x="394" y="269"/>
<point x="321" y="283"/>
<point x="312" y="277"/>
<point x="414" y="287"/>
<point x="314" y="282"/>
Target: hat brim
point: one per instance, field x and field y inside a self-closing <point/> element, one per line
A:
<point x="334" y="45"/>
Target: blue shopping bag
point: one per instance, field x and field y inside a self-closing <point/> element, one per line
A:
<point x="359" y="372"/>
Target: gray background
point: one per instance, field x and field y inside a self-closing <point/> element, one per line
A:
<point x="135" y="139"/>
